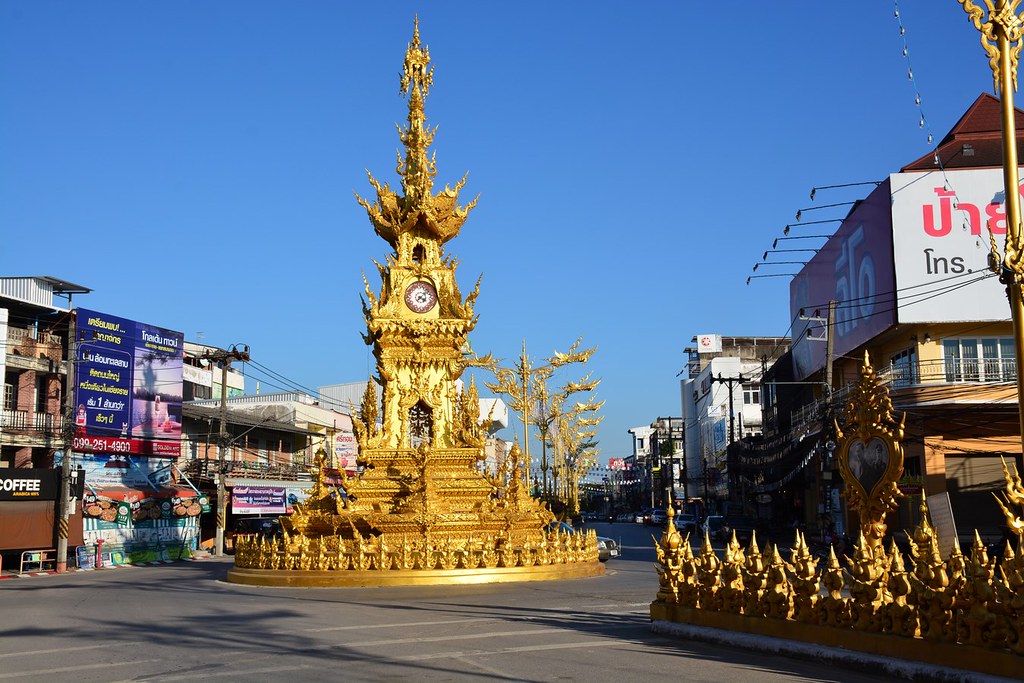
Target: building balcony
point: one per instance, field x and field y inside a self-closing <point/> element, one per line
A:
<point x="26" y="352"/>
<point x="950" y="371"/>
<point x="202" y="469"/>
<point x="22" y="420"/>
<point x="993" y="380"/>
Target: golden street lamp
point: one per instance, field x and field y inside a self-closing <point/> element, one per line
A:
<point x="1001" y="39"/>
<point x="524" y="381"/>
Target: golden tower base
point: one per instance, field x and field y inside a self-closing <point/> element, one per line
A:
<point x="411" y="577"/>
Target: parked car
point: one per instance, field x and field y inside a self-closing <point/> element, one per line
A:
<point x="658" y="517"/>
<point x="712" y="526"/>
<point x="686" y="524"/>
<point x="607" y="548"/>
<point x="742" y="527"/>
<point x="626" y="517"/>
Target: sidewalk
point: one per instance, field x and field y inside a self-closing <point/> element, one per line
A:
<point x="14" y="573"/>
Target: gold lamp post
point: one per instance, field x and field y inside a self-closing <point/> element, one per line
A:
<point x="1001" y="39"/>
<point x="526" y="381"/>
<point x="572" y="440"/>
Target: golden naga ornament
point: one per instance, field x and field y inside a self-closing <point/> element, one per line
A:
<point x="420" y="512"/>
<point x="871" y="455"/>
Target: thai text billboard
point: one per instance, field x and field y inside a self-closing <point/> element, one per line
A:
<point x="940" y="227"/>
<point x="128" y="386"/>
<point x="259" y="500"/>
<point x="854" y="268"/>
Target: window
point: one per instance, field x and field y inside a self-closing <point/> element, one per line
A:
<point x="904" y="367"/>
<point x="9" y="402"/>
<point x="639" y="443"/>
<point x="970" y="359"/>
<point x="751" y="394"/>
<point x="41" y="394"/>
<point x="421" y="425"/>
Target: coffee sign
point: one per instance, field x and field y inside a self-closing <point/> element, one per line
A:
<point x="29" y="484"/>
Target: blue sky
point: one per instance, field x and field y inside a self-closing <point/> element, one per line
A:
<point x="194" y="163"/>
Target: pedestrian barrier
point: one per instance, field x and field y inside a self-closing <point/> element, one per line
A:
<point x="38" y="560"/>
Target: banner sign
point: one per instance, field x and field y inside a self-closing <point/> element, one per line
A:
<point x="854" y="268"/>
<point x="345" y="450"/>
<point x="259" y="500"/>
<point x="128" y="386"/>
<point x="129" y="490"/>
<point x="940" y="228"/>
<point x="18" y="483"/>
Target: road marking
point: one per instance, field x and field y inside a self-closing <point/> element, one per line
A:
<point x="231" y="673"/>
<point x="34" y="674"/>
<point x="66" y="649"/>
<point x="471" y="636"/>
<point x="504" y="650"/>
<point x="438" y="639"/>
<point x="357" y="627"/>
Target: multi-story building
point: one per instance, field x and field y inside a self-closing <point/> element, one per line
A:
<point x="905" y="279"/>
<point x="34" y="317"/>
<point x="721" y="403"/>
<point x="34" y="325"/>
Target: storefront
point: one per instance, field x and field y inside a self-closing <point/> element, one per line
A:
<point x="29" y="510"/>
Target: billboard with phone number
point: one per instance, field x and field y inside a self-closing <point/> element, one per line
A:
<point x="128" y="386"/>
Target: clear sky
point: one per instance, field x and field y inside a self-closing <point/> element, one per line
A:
<point x="194" y="164"/>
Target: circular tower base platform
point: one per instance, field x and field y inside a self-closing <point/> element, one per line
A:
<point x="298" y="578"/>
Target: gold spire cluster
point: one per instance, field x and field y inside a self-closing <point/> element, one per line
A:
<point x="419" y="211"/>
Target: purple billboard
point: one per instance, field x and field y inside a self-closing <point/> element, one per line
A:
<point x="128" y="386"/>
<point x="855" y="269"/>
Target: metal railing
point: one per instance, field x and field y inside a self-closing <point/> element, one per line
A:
<point x="14" y="419"/>
<point x="206" y="469"/>
<point x="38" y="422"/>
<point x="950" y="371"/>
<point x="899" y="375"/>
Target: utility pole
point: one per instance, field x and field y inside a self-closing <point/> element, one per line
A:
<point x="67" y="430"/>
<point x="225" y="358"/>
<point x="731" y="382"/>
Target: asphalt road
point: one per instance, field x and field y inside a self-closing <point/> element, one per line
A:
<point x="183" y="622"/>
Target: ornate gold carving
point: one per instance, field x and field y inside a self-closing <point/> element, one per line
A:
<point x="420" y="503"/>
<point x="1002" y="22"/>
<point x="870" y="454"/>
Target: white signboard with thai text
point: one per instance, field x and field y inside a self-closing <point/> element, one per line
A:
<point x="940" y="226"/>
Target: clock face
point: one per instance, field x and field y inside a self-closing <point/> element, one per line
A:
<point x="420" y="296"/>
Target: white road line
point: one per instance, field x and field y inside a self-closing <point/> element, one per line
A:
<point x="228" y="673"/>
<point x="35" y="674"/>
<point x="361" y="627"/>
<point x="31" y="653"/>
<point x="471" y="636"/>
<point x="438" y="639"/>
<point x="504" y="650"/>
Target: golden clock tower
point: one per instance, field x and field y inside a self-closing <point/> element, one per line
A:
<point x="421" y="505"/>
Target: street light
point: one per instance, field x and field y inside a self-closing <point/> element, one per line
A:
<point x="785" y="230"/>
<point x="754" y="277"/>
<point x="775" y="242"/>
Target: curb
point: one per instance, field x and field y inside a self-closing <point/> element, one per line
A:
<point x="126" y="565"/>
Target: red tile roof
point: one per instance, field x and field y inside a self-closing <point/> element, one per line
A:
<point x="975" y="141"/>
